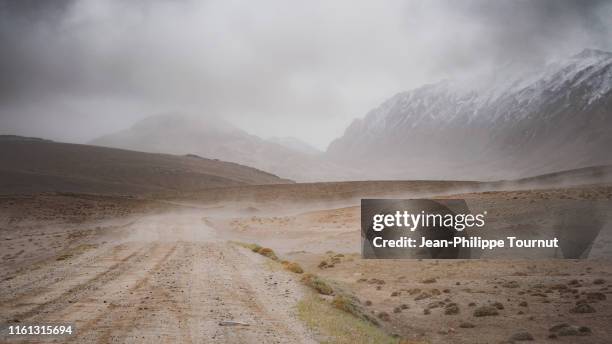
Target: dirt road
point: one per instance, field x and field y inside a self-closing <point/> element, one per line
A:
<point x="163" y="279"/>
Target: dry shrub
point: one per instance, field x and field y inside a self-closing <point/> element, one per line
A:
<point x="267" y="252"/>
<point x="317" y="284"/>
<point x="485" y="311"/>
<point x="346" y="304"/>
<point x="294" y="267"/>
<point x="64" y="257"/>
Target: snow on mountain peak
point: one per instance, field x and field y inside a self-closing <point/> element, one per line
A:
<point x="528" y="115"/>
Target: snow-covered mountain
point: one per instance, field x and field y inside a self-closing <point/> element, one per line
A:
<point x="216" y="139"/>
<point x="557" y="117"/>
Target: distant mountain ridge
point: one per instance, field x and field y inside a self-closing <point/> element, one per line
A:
<point x="555" y="119"/>
<point x="215" y="139"/>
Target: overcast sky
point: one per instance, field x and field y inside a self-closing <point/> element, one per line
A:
<point x="74" y="70"/>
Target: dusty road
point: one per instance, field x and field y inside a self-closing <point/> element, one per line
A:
<point x="161" y="278"/>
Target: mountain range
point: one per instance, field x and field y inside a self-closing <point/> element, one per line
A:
<point x="555" y="118"/>
<point x="513" y="125"/>
<point x="217" y="139"/>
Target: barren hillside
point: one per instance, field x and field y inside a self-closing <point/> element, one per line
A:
<point x="32" y="166"/>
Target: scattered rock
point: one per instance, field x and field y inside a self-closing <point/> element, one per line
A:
<point x="484" y="311"/>
<point x="559" y="287"/>
<point x="451" y="309"/>
<point x="557" y="327"/>
<point x="422" y="296"/>
<point x="376" y="281"/>
<point x="465" y="324"/>
<point x="599" y="281"/>
<point x="435" y="304"/>
<point x="523" y="304"/>
<point x="521" y="337"/>
<point x="582" y="308"/>
<point x="566" y="330"/>
<point x="414" y="291"/>
<point x="595" y="296"/>
<point x="384" y="316"/>
<point x="510" y="284"/>
<point x="429" y="280"/>
<point x="498" y="305"/>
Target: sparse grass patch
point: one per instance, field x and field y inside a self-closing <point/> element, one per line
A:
<point x="252" y="247"/>
<point x="346" y="304"/>
<point x="264" y="251"/>
<point x="337" y="326"/>
<point x="317" y="284"/>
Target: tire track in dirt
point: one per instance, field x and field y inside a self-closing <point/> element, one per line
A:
<point x="229" y="285"/>
<point x="122" y="316"/>
<point x="81" y="290"/>
<point x="171" y="280"/>
<point x="35" y="283"/>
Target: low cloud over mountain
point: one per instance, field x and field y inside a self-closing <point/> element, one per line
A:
<point x="556" y="117"/>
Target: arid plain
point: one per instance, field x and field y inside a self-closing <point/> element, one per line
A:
<point x="168" y="269"/>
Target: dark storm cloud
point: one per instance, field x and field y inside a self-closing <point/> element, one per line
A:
<point x="76" y="69"/>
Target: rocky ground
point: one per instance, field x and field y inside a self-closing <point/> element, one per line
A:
<point x="123" y="269"/>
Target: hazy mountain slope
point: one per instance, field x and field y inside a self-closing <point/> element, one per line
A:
<point x="558" y="118"/>
<point x="295" y="144"/>
<point x="215" y="139"/>
<point x="30" y="166"/>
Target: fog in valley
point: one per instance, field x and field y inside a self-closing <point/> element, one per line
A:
<point x="76" y="70"/>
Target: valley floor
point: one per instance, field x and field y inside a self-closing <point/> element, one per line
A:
<point x="134" y="270"/>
